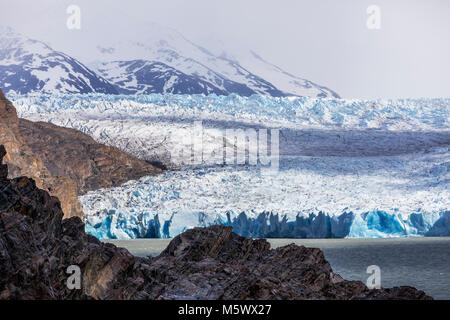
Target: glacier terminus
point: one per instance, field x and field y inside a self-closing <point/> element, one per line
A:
<point x="347" y="168"/>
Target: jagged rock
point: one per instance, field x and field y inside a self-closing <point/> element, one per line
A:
<point x="396" y="293"/>
<point x="91" y="165"/>
<point x="215" y="263"/>
<point x="37" y="247"/>
<point x="23" y="161"/>
<point x="19" y="156"/>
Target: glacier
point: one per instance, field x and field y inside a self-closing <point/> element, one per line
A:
<point x="264" y="206"/>
<point x="347" y="168"/>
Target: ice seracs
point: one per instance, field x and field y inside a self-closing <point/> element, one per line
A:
<point x="327" y="197"/>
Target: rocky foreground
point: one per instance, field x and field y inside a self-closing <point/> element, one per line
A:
<point x="37" y="246"/>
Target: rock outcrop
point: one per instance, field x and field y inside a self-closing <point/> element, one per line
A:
<point x="91" y="165"/>
<point x="19" y="157"/>
<point x="63" y="161"/>
<point x="37" y="247"/>
<point x="23" y="161"/>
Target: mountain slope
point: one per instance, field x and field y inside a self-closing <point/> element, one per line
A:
<point x="146" y="77"/>
<point x="64" y="161"/>
<point x="208" y="72"/>
<point x="89" y="164"/>
<point x="282" y="79"/>
<point x="32" y="66"/>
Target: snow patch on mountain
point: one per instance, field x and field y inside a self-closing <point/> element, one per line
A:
<point x="146" y="77"/>
<point x="28" y="66"/>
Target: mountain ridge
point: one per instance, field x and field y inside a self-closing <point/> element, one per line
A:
<point x="28" y="65"/>
<point x="162" y="62"/>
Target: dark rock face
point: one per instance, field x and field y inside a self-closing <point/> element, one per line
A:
<point x="37" y="247"/>
<point x="215" y="263"/>
<point x="22" y="161"/>
<point x="72" y="153"/>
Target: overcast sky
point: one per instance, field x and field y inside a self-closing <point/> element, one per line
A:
<point x="326" y="41"/>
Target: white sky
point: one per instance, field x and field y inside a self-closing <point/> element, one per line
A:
<point x="325" y="41"/>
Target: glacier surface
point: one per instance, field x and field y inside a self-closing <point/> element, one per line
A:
<point x="347" y="168"/>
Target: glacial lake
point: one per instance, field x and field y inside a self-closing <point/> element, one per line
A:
<point x="423" y="263"/>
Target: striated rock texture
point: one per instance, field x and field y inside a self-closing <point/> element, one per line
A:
<point x="37" y="247"/>
<point x="91" y="165"/>
<point x="20" y="158"/>
<point x="23" y="161"/>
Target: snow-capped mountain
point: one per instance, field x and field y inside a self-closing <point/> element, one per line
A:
<point x="280" y="78"/>
<point x="163" y="55"/>
<point x="28" y="65"/>
<point x="161" y="60"/>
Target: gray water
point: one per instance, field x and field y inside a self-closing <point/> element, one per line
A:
<point x="423" y="263"/>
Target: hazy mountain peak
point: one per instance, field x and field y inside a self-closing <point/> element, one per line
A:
<point x="246" y="71"/>
<point x="159" y="60"/>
